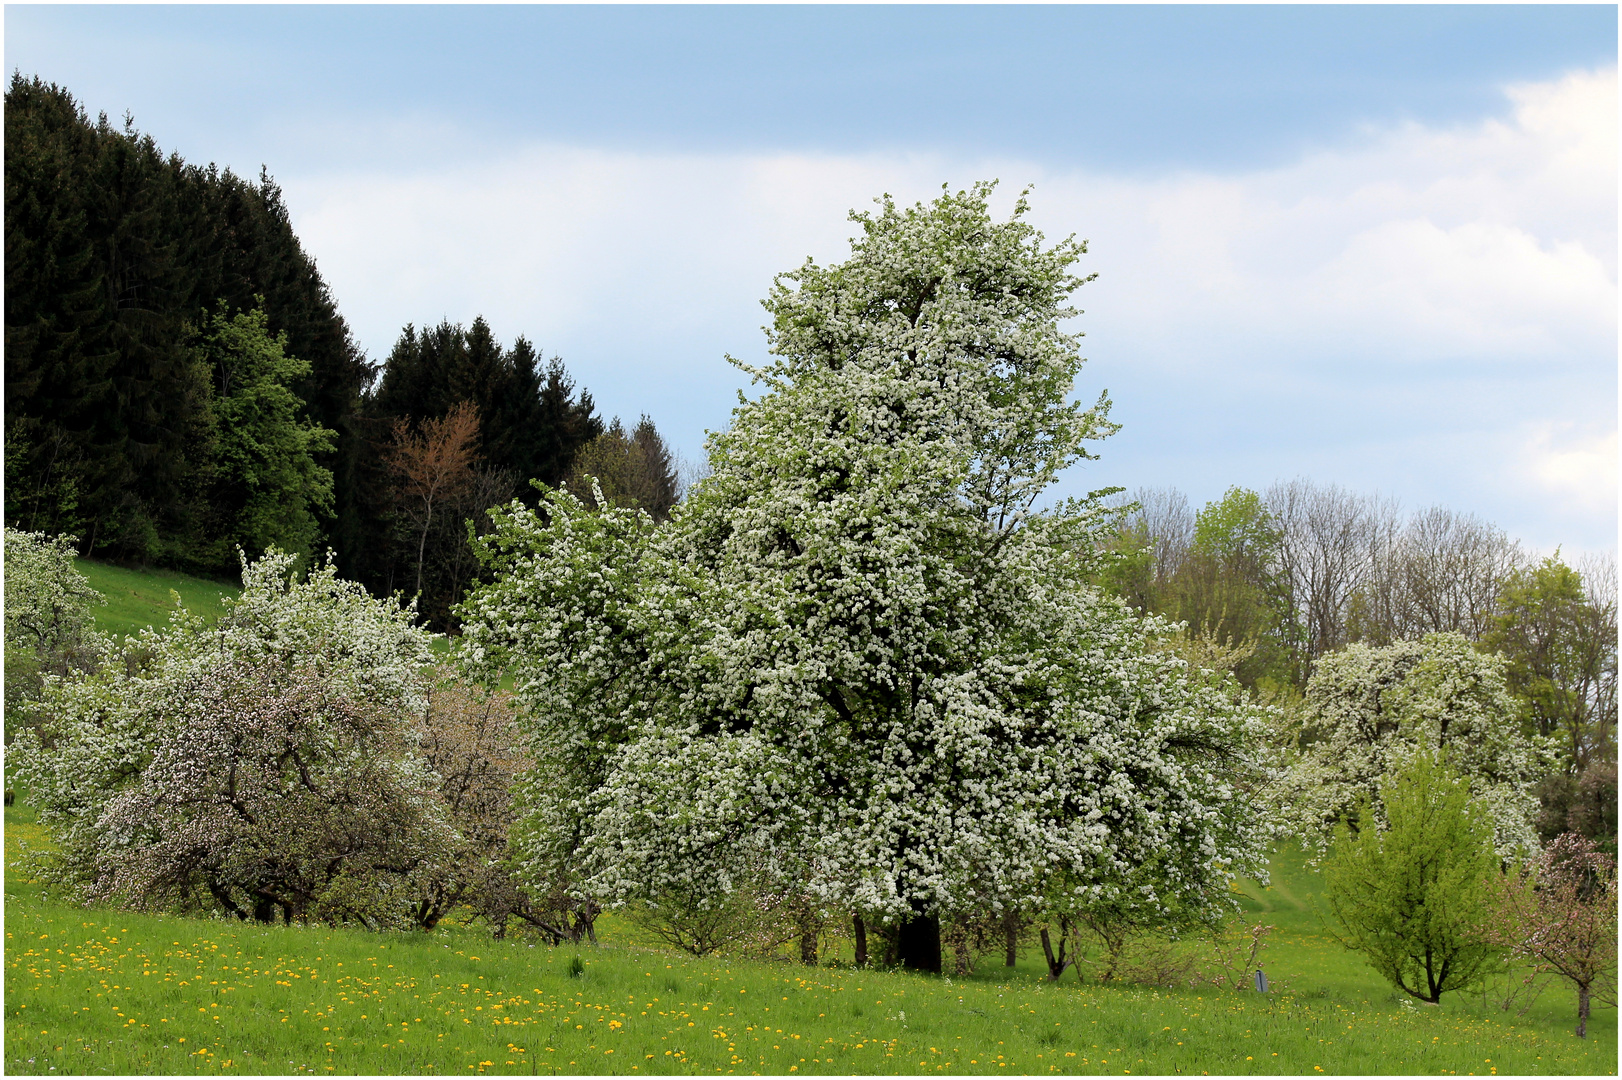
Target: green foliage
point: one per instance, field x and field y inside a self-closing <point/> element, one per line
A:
<point x="1408" y="887"/>
<point x="632" y="468"/>
<point x="1560" y="639"/>
<point x="1227" y="586"/>
<point x="1217" y="572"/>
<point x="112" y="249"/>
<point x="267" y="487"/>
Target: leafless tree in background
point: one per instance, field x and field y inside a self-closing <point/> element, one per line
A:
<point x="1168" y="522"/>
<point x="1442" y="572"/>
<point x="1331" y="541"/>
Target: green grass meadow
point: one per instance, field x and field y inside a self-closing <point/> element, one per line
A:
<point x="140" y="598"/>
<point x="105" y="991"/>
<point x="94" y="990"/>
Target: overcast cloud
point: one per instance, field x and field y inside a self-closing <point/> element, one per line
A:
<point x="1429" y="311"/>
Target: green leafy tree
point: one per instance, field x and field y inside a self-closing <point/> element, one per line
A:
<point x="1560" y="639"/>
<point x="268" y="485"/>
<point x="630" y="468"/>
<point x="1226" y="587"/>
<point x="859" y="665"/>
<point x="1409" y="888"/>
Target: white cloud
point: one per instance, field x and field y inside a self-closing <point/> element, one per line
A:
<point x="1579" y="467"/>
<point x="1461" y="280"/>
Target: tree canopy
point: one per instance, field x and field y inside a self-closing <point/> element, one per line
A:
<point x="858" y="664"/>
<point x="114" y="252"/>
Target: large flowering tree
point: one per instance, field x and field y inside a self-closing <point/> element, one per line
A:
<point x="858" y="664"/>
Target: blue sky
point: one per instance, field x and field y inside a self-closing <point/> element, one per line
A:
<point x="1374" y="246"/>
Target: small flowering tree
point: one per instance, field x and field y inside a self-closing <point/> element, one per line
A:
<point x="50" y="628"/>
<point x="266" y="764"/>
<point x="1369" y="710"/>
<point x="1559" y="912"/>
<point x="858" y="664"/>
<point x="272" y="791"/>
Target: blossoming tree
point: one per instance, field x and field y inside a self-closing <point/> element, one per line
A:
<point x="859" y="665"/>
<point x="1369" y="710"/>
<point x="268" y="763"/>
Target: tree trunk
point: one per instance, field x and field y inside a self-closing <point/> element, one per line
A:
<point x="1057" y="965"/>
<point x="808" y="936"/>
<point x="1010" y="929"/>
<point x="1582" y="1010"/>
<point x="962" y="954"/>
<point x="861" y="940"/>
<point x="918" y="943"/>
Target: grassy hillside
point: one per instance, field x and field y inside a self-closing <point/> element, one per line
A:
<point x="97" y="990"/>
<point x="104" y="991"/>
<point x="140" y="598"/>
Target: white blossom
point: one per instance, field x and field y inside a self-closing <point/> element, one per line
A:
<point x="1369" y="709"/>
<point x="857" y="658"/>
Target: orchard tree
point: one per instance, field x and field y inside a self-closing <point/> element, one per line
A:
<point x="50" y="625"/>
<point x="1559" y="912"/>
<point x="859" y="664"/>
<point x="267" y="763"/>
<point x="1409" y="888"/>
<point x="1368" y="711"/>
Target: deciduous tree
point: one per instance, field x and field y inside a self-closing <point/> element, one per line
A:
<point x="265" y="762"/>
<point x="268" y="488"/>
<point x="1559" y="912"/>
<point x="433" y="466"/>
<point x="1369" y="710"/>
<point x="50" y="623"/>
<point x="1408" y="888"/>
<point x="858" y="660"/>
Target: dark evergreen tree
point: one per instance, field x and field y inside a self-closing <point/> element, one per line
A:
<point x="532" y="424"/>
<point x="114" y="255"/>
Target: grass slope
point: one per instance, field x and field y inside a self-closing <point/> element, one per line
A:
<point x="141" y="598"/>
<point x="103" y="991"/>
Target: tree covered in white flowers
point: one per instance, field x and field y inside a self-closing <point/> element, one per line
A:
<point x="50" y="625"/>
<point x="266" y="764"/>
<point x="1369" y="710"/>
<point x="858" y="665"/>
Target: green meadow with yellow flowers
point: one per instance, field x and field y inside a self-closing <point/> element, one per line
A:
<point x="96" y="990"/>
<point x="107" y="991"/>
